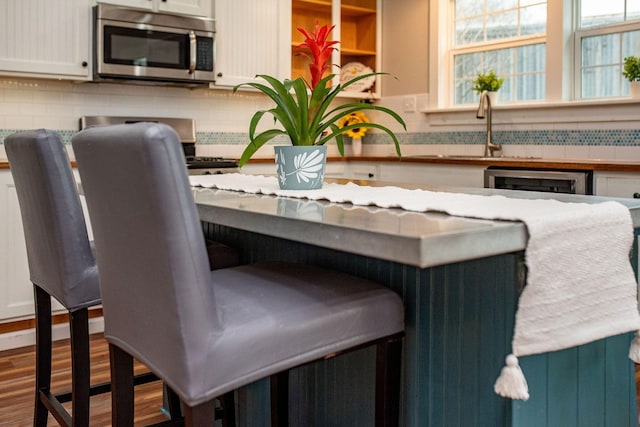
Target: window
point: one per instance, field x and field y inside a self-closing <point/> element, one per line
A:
<point x="552" y="51"/>
<point x="607" y="33"/>
<point x="507" y="36"/>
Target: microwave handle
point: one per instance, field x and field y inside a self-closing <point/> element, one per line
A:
<point x="192" y="52"/>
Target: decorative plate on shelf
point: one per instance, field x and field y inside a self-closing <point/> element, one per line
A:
<point x="355" y="69"/>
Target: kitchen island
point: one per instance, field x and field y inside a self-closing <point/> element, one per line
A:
<point x="460" y="280"/>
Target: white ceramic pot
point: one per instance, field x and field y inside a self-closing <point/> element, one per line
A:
<point x="634" y="90"/>
<point x="356" y="146"/>
<point x="493" y="97"/>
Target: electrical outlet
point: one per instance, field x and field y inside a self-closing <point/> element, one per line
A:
<point x="409" y="103"/>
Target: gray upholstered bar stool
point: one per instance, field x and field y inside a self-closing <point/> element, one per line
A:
<point x="62" y="265"/>
<point x="207" y="333"/>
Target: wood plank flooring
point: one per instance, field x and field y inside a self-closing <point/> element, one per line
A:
<point x="17" y="386"/>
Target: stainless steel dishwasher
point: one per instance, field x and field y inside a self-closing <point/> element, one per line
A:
<point x="550" y="181"/>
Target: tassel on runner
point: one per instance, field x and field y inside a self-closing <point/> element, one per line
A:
<point x="511" y="383"/>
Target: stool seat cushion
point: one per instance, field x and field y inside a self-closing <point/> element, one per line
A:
<point x="276" y="316"/>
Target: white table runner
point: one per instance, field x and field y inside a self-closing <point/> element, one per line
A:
<point x="580" y="283"/>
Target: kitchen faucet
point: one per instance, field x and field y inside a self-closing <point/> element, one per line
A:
<point x="485" y="104"/>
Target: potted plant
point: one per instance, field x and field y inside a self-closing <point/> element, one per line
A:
<point x="308" y="118"/>
<point x="631" y="71"/>
<point x="489" y="82"/>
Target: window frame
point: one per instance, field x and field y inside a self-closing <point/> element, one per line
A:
<point x="482" y="46"/>
<point x="580" y="33"/>
<point x="558" y="111"/>
<point x="563" y="54"/>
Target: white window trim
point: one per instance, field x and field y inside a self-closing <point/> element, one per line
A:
<point x="588" y="32"/>
<point x="560" y="92"/>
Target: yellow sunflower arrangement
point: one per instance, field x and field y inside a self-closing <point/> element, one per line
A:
<point x="353" y="119"/>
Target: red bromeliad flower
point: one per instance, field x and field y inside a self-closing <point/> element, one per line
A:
<point x="321" y="50"/>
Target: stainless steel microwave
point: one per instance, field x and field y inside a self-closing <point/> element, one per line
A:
<point x="133" y="44"/>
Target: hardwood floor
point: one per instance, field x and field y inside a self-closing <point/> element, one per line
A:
<point x="17" y="386"/>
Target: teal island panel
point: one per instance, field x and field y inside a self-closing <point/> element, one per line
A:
<point x="459" y="324"/>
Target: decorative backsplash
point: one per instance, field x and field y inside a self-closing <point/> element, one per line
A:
<point x="613" y="137"/>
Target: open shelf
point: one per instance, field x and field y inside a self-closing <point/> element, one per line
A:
<point x="358" y="33"/>
<point x="356" y="11"/>
<point x="312" y="5"/>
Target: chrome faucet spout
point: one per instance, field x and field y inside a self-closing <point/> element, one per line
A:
<point x="485" y="109"/>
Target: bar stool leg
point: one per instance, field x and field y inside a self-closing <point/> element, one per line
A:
<point x="80" y="367"/>
<point x="228" y="409"/>
<point x="280" y="399"/>
<point x="122" y="393"/>
<point x="388" y="374"/>
<point x="43" y="354"/>
<point x="202" y="415"/>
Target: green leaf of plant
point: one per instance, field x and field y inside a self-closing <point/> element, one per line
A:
<point x="333" y="134"/>
<point x="258" y="142"/>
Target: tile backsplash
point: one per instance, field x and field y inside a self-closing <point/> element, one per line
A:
<point x="222" y="119"/>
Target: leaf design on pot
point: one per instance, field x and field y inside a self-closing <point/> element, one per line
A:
<point x="281" y="171"/>
<point x="307" y="166"/>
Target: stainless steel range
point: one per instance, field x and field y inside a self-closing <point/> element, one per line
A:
<point x="186" y="130"/>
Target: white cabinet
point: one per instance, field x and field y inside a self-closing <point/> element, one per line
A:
<point x="45" y="39"/>
<point x="332" y="170"/>
<point x="617" y="184"/>
<point x="431" y="174"/>
<point x="252" y="37"/>
<point x="140" y="4"/>
<point x="363" y="170"/>
<point x="16" y="291"/>
<point x="185" y="7"/>
<point x="410" y="173"/>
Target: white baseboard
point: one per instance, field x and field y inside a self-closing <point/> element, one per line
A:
<point x="27" y="337"/>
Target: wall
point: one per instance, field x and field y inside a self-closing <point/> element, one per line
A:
<point x="608" y="130"/>
<point x="405" y="25"/>
<point x="222" y="118"/>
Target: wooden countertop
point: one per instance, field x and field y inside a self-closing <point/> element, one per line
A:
<point x="602" y="165"/>
<point x="512" y="162"/>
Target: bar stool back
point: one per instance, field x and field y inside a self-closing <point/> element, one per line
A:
<point x="61" y="265"/>
<point x="208" y="332"/>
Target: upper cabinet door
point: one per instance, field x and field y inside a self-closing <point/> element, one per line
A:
<point x="45" y="39"/>
<point x="183" y="7"/>
<point x="187" y="7"/>
<point x="252" y="37"/>
<point x="140" y="4"/>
